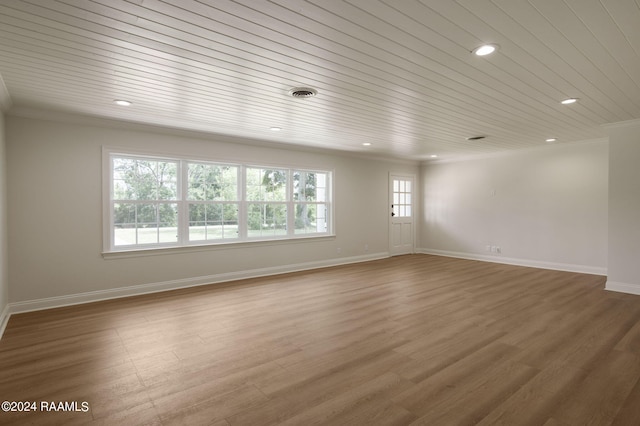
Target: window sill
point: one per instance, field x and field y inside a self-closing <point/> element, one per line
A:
<point x="193" y="248"/>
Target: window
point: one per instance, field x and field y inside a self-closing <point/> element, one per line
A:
<point x="145" y="207"/>
<point x="212" y="195"/>
<point x="266" y="202"/>
<point x="310" y="201"/>
<point x="169" y="202"/>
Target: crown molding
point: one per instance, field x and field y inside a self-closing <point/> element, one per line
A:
<point x="506" y="153"/>
<point x="115" y="123"/>
<point x="621" y="124"/>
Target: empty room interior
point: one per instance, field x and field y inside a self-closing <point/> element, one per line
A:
<point x="304" y="212"/>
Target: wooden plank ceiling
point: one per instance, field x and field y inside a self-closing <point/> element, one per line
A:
<point x="398" y="74"/>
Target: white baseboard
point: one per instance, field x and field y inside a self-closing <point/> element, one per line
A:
<point x="622" y="287"/>
<point x="116" y="293"/>
<point x="4" y="319"/>
<point x="96" y="296"/>
<point x="584" y="269"/>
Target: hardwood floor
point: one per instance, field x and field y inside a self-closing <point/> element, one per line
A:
<point x="415" y="339"/>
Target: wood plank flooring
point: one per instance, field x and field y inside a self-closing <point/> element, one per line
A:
<point x="417" y="339"/>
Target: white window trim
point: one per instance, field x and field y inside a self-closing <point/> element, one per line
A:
<point x="182" y="245"/>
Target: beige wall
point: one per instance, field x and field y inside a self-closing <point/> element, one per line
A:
<point x="4" y="264"/>
<point x="543" y="207"/>
<point x="624" y="207"/>
<point x="55" y="212"/>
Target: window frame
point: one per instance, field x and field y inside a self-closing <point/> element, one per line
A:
<point x="183" y="202"/>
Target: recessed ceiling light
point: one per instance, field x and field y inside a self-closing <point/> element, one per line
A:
<point x="433" y="156"/>
<point x="366" y="144"/>
<point x="122" y="102"/>
<point x="551" y="140"/>
<point x="275" y="129"/>
<point x="569" y="101"/>
<point x="485" y="49"/>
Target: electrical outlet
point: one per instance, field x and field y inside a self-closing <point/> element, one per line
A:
<point x="366" y="247"/>
<point x="339" y="250"/>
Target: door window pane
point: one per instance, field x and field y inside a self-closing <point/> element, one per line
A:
<point x="401" y="198"/>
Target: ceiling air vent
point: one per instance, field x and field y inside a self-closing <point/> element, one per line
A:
<point x="303" y="92"/>
<point x="476" y="138"/>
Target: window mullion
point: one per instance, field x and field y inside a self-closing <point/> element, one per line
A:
<point x="291" y="211"/>
<point x="112" y="205"/>
<point x="242" y="203"/>
<point x="183" y="204"/>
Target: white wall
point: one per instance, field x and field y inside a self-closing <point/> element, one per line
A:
<point x="4" y="264"/>
<point x="543" y="207"/>
<point x="624" y="207"/>
<point x="546" y="207"/>
<point x="55" y="214"/>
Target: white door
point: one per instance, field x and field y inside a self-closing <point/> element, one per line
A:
<point x="401" y="215"/>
